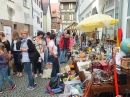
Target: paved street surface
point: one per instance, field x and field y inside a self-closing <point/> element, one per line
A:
<point x="21" y="83"/>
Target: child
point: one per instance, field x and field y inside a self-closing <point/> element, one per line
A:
<point x="4" y="68"/>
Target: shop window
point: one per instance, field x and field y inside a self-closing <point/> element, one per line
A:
<point x="128" y="10"/>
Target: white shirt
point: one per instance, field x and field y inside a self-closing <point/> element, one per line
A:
<point x="52" y="44"/>
<point x="15" y="49"/>
<point x="25" y="55"/>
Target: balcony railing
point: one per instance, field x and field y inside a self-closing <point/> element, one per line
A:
<point x="67" y="0"/>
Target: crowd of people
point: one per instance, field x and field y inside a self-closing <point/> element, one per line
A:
<point x="32" y="54"/>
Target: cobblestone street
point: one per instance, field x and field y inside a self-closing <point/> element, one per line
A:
<point x="20" y="91"/>
<point x="22" y="83"/>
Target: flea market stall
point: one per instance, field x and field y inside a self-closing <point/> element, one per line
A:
<point x="94" y="71"/>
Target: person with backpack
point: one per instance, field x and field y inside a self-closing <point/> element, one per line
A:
<point x="29" y="54"/>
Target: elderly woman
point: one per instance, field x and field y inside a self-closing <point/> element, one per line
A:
<point x="53" y="55"/>
<point x="27" y="48"/>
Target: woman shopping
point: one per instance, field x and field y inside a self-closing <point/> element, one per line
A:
<point x="29" y="54"/>
<point x="38" y="41"/>
<point x="53" y="55"/>
<point x="15" y="49"/>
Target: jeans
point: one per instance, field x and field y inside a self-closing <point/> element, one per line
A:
<point x="55" y="66"/>
<point x="27" y="69"/>
<point x="58" y="51"/>
<point x="4" y="75"/>
<point x="17" y="60"/>
<point x="62" y="55"/>
<point x="38" y="66"/>
<point x="8" y="70"/>
<point x="46" y="56"/>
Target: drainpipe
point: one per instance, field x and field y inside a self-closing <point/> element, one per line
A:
<point x="32" y="8"/>
<point x="79" y="10"/>
<point x="32" y="18"/>
<point x="120" y="13"/>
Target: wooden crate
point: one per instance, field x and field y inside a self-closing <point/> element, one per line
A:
<point x="125" y="63"/>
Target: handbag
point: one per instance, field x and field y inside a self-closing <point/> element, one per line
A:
<point x="42" y="55"/>
<point x="34" y="56"/>
<point x="54" y="82"/>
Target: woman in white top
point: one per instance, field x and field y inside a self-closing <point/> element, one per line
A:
<point x="53" y="55"/>
<point x="15" y="49"/>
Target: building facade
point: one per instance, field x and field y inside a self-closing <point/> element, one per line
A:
<point x="16" y="15"/>
<point x="67" y="11"/>
<point x="118" y="9"/>
<point x="37" y="16"/>
<point x="55" y="17"/>
<point x="46" y="15"/>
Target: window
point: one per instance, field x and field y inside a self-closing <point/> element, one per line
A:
<point x="41" y="14"/>
<point x="128" y="10"/>
<point x="41" y="24"/>
<point x="15" y="26"/>
<point x="82" y="18"/>
<point x="87" y="15"/>
<point x="62" y="17"/>
<point x="61" y="6"/>
<point x="11" y="0"/>
<point x="39" y="4"/>
<point x="25" y="3"/>
<point x="38" y="20"/>
<point x="71" y="6"/>
<point x="109" y="3"/>
<point x="71" y="17"/>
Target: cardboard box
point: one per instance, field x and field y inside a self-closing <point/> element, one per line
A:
<point x="48" y="66"/>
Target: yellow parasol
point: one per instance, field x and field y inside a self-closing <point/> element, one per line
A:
<point x="96" y="21"/>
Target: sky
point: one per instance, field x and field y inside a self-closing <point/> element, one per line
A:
<point x="54" y="1"/>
